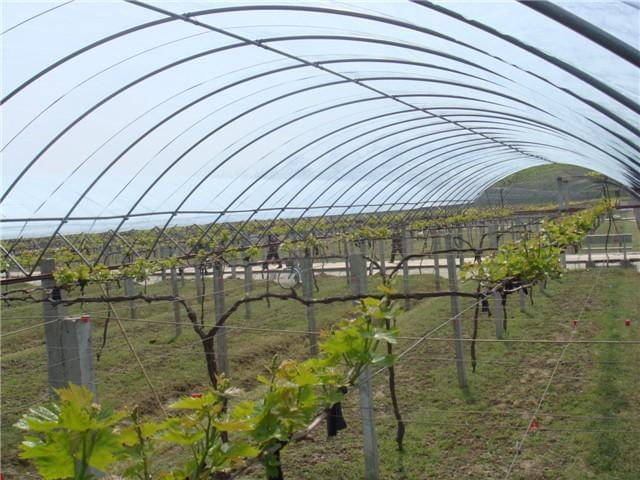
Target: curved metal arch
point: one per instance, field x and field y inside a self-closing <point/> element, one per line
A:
<point x="575" y="137"/>
<point x="431" y="171"/>
<point x="204" y="53"/>
<point x="576" y="72"/>
<point x="371" y="157"/>
<point x="570" y="69"/>
<point x="539" y="144"/>
<point x="465" y="182"/>
<point x="220" y="215"/>
<point x="462" y="183"/>
<point x="367" y="99"/>
<point x="404" y="201"/>
<point x="204" y="178"/>
<point x="586" y="29"/>
<point x="396" y="179"/>
<point x="474" y="149"/>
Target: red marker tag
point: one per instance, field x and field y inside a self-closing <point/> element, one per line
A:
<point x="627" y="322"/>
<point x="196" y="395"/>
<point x="574" y="323"/>
<point x="533" y="428"/>
<point x="84" y="319"/>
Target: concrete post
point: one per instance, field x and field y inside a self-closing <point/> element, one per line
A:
<point x="176" y="306"/>
<point x="68" y="342"/>
<point x="248" y="287"/>
<point x="460" y="254"/>
<point x="346" y="262"/>
<point x="493" y="236"/>
<point x="129" y="290"/>
<point x="371" y="461"/>
<point x="197" y="275"/>
<point x="306" y="267"/>
<point x="163" y="254"/>
<point x="435" y="246"/>
<point x="218" y="300"/>
<point x="455" y="312"/>
<point x="383" y="266"/>
<point x="523" y="300"/>
<point x="406" y="249"/>
<point x="498" y="313"/>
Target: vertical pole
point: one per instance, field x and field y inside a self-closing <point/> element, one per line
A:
<point x="493" y="236"/>
<point x="455" y="312"/>
<point x="359" y="287"/>
<point x="347" y="269"/>
<point x="624" y="248"/>
<point x="68" y="341"/>
<point x="523" y="300"/>
<point x="405" y="267"/>
<point x="248" y="287"/>
<point x="197" y="275"/>
<point x="306" y="264"/>
<point x="435" y="246"/>
<point x="176" y="307"/>
<point x="383" y="266"/>
<point x="163" y="255"/>
<point x="498" y="313"/>
<point x="52" y="329"/>
<point x="561" y="198"/>
<point x="129" y="290"/>
<point x="460" y="254"/>
<point x="218" y="299"/>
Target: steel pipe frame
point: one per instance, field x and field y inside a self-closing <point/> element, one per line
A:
<point x="217" y="50"/>
<point x="93" y="108"/>
<point x="566" y="67"/>
<point x="237" y="151"/>
<point x="586" y="29"/>
<point x="296" y="152"/>
<point x="574" y="71"/>
<point x="462" y="85"/>
<point x="444" y="163"/>
<point x="279" y="187"/>
<point x="243" y="43"/>
<point x="253" y="77"/>
<point x="327" y="168"/>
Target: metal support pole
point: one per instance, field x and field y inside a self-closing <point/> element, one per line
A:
<point x="498" y="313"/>
<point x="493" y="236"/>
<point x="383" y="266"/>
<point x="129" y="290"/>
<point x="306" y="264"/>
<point x="435" y="246"/>
<point x="347" y="269"/>
<point x="460" y="254"/>
<point x="248" y="287"/>
<point x="455" y="312"/>
<point x="233" y="271"/>
<point x="359" y="287"/>
<point x="405" y="267"/>
<point x="218" y="300"/>
<point x="68" y="342"/>
<point x="163" y="255"/>
<point x="176" y="307"/>
<point x="197" y="272"/>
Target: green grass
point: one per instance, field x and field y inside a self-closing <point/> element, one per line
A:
<point x="450" y="433"/>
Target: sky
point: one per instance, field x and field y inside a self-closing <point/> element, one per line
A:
<point x="176" y="118"/>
